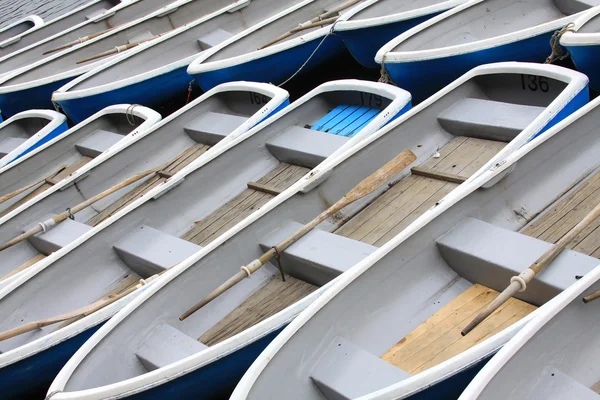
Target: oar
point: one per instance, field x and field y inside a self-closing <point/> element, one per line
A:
<point x="592" y="297"/>
<point x="365" y="187"/>
<point x="117" y="49"/>
<point x="335" y="10"/>
<point x="76" y="42"/>
<point x="77" y="314"/>
<point x="42" y="226"/>
<point x="519" y="283"/>
<point x="17" y="192"/>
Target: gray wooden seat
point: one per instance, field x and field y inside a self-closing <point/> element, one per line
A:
<point x="97" y="142"/>
<point x="487" y="119"/>
<point x="345" y="371"/>
<point x="304" y="147"/>
<point x="213" y="38"/>
<point x="57" y="237"/>
<point x="555" y="385"/>
<point x="9" y="144"/>
<point x="210" y="127"/>
<point x="148" y="251"/>
<point x="319" y="256"/>
<point x="487" y="254"/>
<point x="166" y="345"/>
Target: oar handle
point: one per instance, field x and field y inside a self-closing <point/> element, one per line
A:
<point x="592" y="297"/>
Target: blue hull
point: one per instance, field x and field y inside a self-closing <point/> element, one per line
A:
<point x="275" y="68"/>
<point x="57" y="131"/>
<point x="586" y="60"/>
<point x="32" y="376"/>
<point x="28" y="99"/>
<point x="364" y="43"/>
<point x="151" y="92"/>
<point x="424" y="78"/>
<point x="580" y="99"/>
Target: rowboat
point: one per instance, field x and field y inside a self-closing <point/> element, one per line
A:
<point x="371" y="24"/>
<point x="118" y="251"/>
<point x="207" y="353"/>
<point x="390" y="327"/>
<point x="553" y="357"/>
<point x="430" y="55"/>
<point x="276" y="49"/>
<point x="32" y="86"/>
<point x="582" y="40"/>
<point x="23" y="26"/>
<point x="97" y="20"/>
<point x="234" y="109"/>
<point x="101" y="163"/>
<point x="59" y="24"/>
<point x="64" y="152"/>
<point x="155" y="73"/>
<point x="26" y="131"/>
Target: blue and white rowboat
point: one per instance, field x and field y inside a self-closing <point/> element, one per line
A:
<point x="372" y="23"/>
<point x="428" y="56"/>
<point x="200" y="371"/>
<point x="28" y="130"/>
<point x="582" y="40"/>
<point x="13" y="31"/>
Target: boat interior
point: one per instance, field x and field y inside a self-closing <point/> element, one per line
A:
<point x="10" y="62"/>
<point x="180" y="221"/>
<point x="383" y="8"/>
<point x="450" y="146"/>
<point x="146" y="29"/>
<point x="591" y="26"/>
<point x="491" y="18"/>
<point x="18" y="29"/>
<point x="199" y="38"/>
<point x="170" y="148"/>
<point x="17" y="132"/>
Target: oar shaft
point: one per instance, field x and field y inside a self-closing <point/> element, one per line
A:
<point x="592" y="297"/>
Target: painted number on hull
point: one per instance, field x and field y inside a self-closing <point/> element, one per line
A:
<point x="256" y="98"/>
<point x="535" y="83"/>
<point x="370" y="100"/>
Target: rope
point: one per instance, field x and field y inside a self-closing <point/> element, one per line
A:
<point x="384" y="76"/>
<point x="558" y="52"/>
<point x="311" y="55"/>
<point x="278" y="259"/>
<point x="129" y="114"/>
<point x="189" y="91"/>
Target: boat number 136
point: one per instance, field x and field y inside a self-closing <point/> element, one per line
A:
<point x="534" y="83"/>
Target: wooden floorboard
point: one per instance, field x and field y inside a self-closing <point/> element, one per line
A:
<point x="409" y="198"/>
<point x="267" y="301"/>
<point x="566" y="213"/>
<point x="596" y="387"/>
<point x="177" y="164"/>
<point x="438" y="338"/>
<point x="244" y="204"/>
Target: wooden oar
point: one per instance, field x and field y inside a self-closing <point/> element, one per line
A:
<point x="519" y="283"/>
<point x="17" y="192"/>
<point x="117" y="49"/>
<point x="76" y="42"/>
<point x="592" y="297"/>
<point x="365" y="187"/>
<point x="77" y="314"/>
<point x="43" y="226"/>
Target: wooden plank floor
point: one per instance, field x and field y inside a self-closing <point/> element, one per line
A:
<point x="244" y="204"/>
<point x="566" y="213"/>
<point x="404" y="202"/>
<point x="174" y="166"/>
<point x="438" y="338"/>
<point x="267" y="301"/>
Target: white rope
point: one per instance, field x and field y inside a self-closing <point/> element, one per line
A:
<point x="129" y="114"/>
<point x="523" y="278"/>
<point x="384" y="76"/>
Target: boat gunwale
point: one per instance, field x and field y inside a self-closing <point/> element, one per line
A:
<point x="573" y="37"/>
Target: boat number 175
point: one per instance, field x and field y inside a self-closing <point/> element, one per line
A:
<point x="370" y="99"/>
<point x="534" y="83"/>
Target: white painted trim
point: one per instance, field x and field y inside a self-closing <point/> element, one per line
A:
<point x="34" y="19"/>
<point x="429" y="54"/>
<point x="198" y="66"/>
<point x="65" y="92"/>
<point x="6" y="87"/>
<point x="347" y="23"/>
<point x="214" y="352"/>
<point x="56" y="119"/>
<point x="543" y="316"/>
<point x="170" y="372"/>
<point x="466" y="358"/>
<point x="150" y="116"/>
<point x="582" y="39"/>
